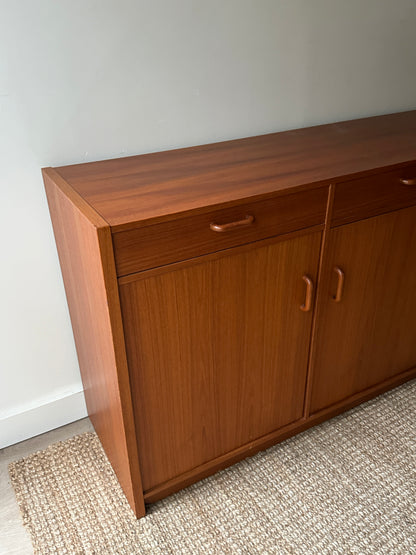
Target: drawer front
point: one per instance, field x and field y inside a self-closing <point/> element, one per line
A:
<point x="373" y="195"/>
<point x="168" y="242"/>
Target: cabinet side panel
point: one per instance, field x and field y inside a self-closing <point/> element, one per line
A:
<point x="86" y="258"/>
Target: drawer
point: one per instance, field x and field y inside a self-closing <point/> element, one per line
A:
<point x="373" y="195"/>
<point x="188" y="237"/>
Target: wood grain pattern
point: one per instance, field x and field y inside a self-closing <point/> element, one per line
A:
<point x="264" y="442"/>
<point x="319" y="297"/>
<point x="369" y="336"/>
<point x="217" y="353"/>
<point x="373" y="195"/>
<point x="168" y="242"/>
<point x="85" y="253"/>
<point x="159" y="270"/>
<point x="139" y="190"/>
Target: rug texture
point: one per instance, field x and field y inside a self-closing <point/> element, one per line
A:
<point x="346" y="486"/>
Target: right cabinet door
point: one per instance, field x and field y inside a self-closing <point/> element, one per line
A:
<point x="366" y="329"/>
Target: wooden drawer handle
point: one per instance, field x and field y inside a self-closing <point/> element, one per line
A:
<point x="405" y="181"/>
<point x="340" y="287"/>
<point x="309" y="294"/>
<point x="248" y="220"/>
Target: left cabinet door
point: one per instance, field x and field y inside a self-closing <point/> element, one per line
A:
<point x="217" y="351"/>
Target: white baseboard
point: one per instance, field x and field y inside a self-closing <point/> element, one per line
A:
<point x="38" y="418"/>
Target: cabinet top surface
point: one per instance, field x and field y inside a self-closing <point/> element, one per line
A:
<point x="144" y="189"/>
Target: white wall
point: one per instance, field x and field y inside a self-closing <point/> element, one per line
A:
<point x="84" y="80"/>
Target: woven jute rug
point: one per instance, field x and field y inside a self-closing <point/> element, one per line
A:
<point x="346" y="486"/>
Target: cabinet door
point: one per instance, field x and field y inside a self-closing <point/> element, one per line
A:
<point x="369" y="335"/>
<point x="217" y="352"/>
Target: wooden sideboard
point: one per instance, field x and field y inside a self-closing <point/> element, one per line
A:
<point x="227" y="296"/>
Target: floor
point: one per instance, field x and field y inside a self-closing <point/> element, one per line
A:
<point x="14" y="540"/>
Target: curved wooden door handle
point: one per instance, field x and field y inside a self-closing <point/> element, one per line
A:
<point x="410" y="181"/>
<point x="307" y="305"/>
<point x="248" y="220"/>
<point x="340" y="287"/>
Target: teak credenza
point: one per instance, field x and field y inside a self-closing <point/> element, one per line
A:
<point x="227" y="296"/>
